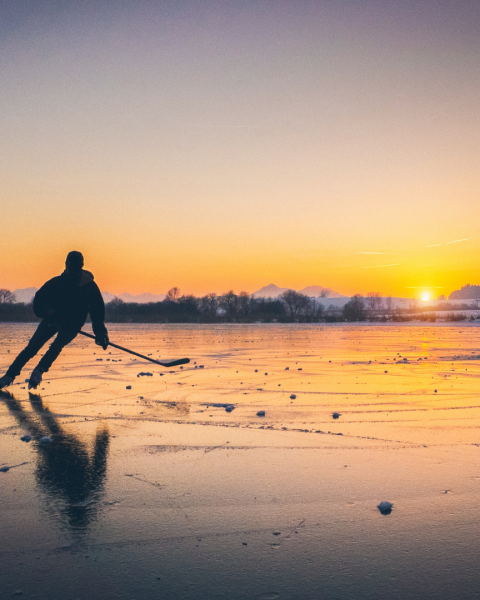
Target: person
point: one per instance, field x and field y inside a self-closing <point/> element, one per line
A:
<point x="63" y="304"/>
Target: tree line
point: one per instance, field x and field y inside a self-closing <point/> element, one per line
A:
<point x="289" y="307"/>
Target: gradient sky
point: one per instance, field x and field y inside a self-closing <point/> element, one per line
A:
<point x="228" y="145"/>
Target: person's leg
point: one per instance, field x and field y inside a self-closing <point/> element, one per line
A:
<point x="64" y="337"/>
<point x="42" y="334"/>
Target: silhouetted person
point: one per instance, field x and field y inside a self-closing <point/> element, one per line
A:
<point x="63" y="304"/>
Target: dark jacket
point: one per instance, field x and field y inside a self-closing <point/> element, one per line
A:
<point x="68" y="299"/>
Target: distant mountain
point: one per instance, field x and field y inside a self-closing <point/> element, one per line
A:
<point x="25" y="295"/>
<point x="140" y="299"/>
<point x="314" y="291"/>
<point x="318" y="291"/>
<point x="108" y="297"/>
<point x="269" y="291"/>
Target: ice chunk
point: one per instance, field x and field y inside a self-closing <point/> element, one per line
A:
<point x="385" y="507"/>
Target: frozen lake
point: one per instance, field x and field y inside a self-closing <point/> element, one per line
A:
<point x="154" y="492"/>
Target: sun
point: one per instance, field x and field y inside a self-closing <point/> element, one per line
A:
<point x="425" y="297"/>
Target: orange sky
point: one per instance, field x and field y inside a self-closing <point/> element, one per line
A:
<point x="220" y="147"/>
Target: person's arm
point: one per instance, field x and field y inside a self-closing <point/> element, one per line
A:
<point x="43" y="301"/>
<point x="97" y="314"/>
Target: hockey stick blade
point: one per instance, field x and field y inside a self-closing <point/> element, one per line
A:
<point x="173" y="363"/>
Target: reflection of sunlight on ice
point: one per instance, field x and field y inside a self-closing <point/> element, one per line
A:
<point x="388" y="382"/>
<point x="187" y="480"/>
<point x="424" y="346"/>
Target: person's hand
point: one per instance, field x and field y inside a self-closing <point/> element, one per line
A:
<point x="102" y="340"/>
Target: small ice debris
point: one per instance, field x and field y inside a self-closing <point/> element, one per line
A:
<point x="287" y="368"/>
<point x="229" y="408"/>
<point x="26" y="438"/>
<point x="17" y="593"/>
<point x="4" y="469"/>
<point x="46" y="439"/>
<point x="256" y="370"/>
<point x="201" y="366"/>
<point x="435" y="391"/>
<point x="335" y="415"/>
<point x="385" y="507"/>
<point x="292" y="396"/>
<point x="129" y="387"/>
<point x="299" y="369"/>
<point x="386" y="371"/>
<point x="261" y="413"/>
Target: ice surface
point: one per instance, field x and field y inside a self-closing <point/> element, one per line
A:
<point x="157" y="491"/>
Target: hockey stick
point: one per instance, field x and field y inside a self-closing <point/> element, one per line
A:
<point x="167" y="363"/>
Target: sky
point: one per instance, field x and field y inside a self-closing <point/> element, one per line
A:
<point x="216" y="145"/>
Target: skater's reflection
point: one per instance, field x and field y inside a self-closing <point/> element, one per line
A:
<point x="72" y="477"/>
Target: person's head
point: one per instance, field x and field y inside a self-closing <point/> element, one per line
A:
<point x="74" y="262"/>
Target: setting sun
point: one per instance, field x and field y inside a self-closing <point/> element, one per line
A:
<point x="425" y="297"/>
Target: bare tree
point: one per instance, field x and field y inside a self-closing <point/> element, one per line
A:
<point x="244" y="308"/>
<point x="389" y="304"/>
<point x="374" y="303"/>
<point x="209" y="306"/>
<point x="295" y="303"/>
<point x="116" y="301"/>
<point x="229" y="303"/>
<point x="173" y="294"/>
<point x="314" y="311"/>
<point x="354" y="309"/>
<point x="7" y="297"/>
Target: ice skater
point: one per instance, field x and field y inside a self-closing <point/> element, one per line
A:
<point x="63" y="304"/>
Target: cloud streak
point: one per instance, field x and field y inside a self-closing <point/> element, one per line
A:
<point x="380" y="266"/>
<point x="447" y="243"/>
